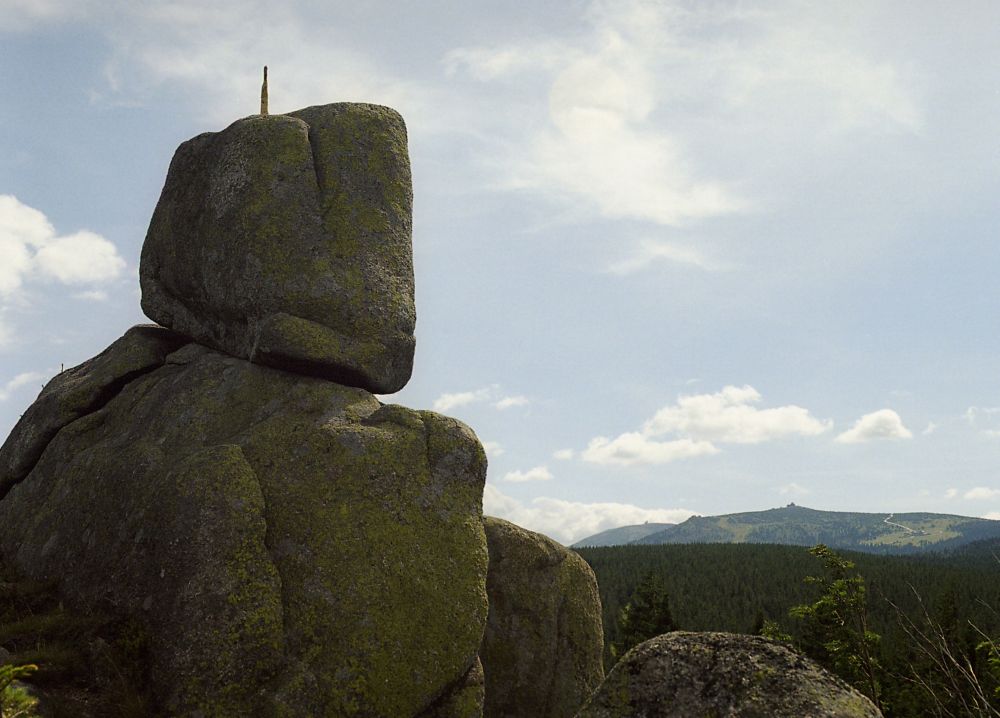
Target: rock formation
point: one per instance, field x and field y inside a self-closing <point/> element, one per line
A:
<point x="286" y="544"/>
<point x="542" y="652"/>
<point x="291" y="546"/>
<point x="679" y="675"/>
<point x="286" y="240"/>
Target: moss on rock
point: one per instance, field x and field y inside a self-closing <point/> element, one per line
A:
<point x="544" y="640"/>
<point x="683" y="675"/>
<point x="78" y="391"/>
<point x="294" y="546"/>
<point x="286" y="240"/>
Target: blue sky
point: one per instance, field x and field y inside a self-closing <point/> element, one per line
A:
<point x="671" y="258"/>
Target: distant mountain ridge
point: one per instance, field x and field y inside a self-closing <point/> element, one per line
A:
<point x="622" y="535"/>
<point x="801" y="526"/>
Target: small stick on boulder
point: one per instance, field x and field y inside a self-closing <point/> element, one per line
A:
<point x="263" y="94"/>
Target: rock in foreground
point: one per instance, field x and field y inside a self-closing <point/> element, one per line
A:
<point x="542" y="653"/>
<point x="286" y="240"/>
<point x="682" y="675"/>
<point x="292" y="546"/>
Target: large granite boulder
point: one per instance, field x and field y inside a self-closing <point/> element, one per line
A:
<point x="544" y="640"/>
<point x="291" y="546"/>
<point x="286" y="240"/>
<point x="680" y="675"/>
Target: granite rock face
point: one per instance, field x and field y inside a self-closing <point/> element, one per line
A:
<point x="542" y="652"/>
<point x="293" y="546"/>
<point x="681" y="675"/>
<point x="78" y="391"/>
<point x="286" y="240"/>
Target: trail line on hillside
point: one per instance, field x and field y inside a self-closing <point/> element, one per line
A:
<point x="887" y="520"/>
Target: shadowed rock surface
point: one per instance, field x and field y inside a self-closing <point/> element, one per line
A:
<point x="293" y="546"/>
<point x="286" y="240"/>
<point x="465" y="700"/>
<point x="690" y="675"/>
<point x="542" y="652"/>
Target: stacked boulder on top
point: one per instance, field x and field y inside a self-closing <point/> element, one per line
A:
<point x="286" y="240"/>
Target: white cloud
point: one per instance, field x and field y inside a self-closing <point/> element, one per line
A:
<point x="487" y="64"/>
<point x="447" y="402"/>
<point x="981" y="493"/>
<point x="985" y="419"/>
<point x="570" y="521"/>
<point x="493" y="448"/>
<point x="491" y="394"/>
<point x="94" y="295"/>
<point x="882" y="424"/>
<point x="951" y="493"/>
<point x="538" y="473"/>
<point x="974" y="414"/>
<point x="649" y="251"/>
<point x="930" y="428"/>
<point x="80" y="258"/>
<point x="22" y="229"/>
<point x="509" y="401"/>
<point x="599" y="144"/>
<point x="792" y="489"/>
<point x="626" y="100"/>
<point x="634" y="448"/>
<point x="696" y="421"/>
<point x="30" y="247"/>
<point x="21" y="380"/>
<point x="729" y="417"/>
<point x="24" y="14"/>
<point x="563" y="454"/>
<point x="992" y="515"/>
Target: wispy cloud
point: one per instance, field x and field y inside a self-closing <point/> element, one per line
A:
<point x="21" y="380"/>
<point x="509" y="401"/>
<point x="93" y="295"/>
<point x="447" y="402"/>
<point x="538" y="473"/>
<point x="204" y="49"/>
<point x="563" y="454"/>
<point x="19" y="15"/>
<point x="606" y="143"/>
<point x="981" y="493"/>
<point x="493" y="449"/>
<point x="569" y="521"/>
<point x="650" y="251"/>
<point x="876" y="426"/>
<point x="793" y="489"/>
<point x="985" y="419"/>
<point x="487" y="394"/>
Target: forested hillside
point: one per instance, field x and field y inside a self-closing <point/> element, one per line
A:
<point x="737" y="587"/>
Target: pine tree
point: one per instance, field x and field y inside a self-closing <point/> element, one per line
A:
<point x="646" y="615"/>
<point x="835" y="628"/>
